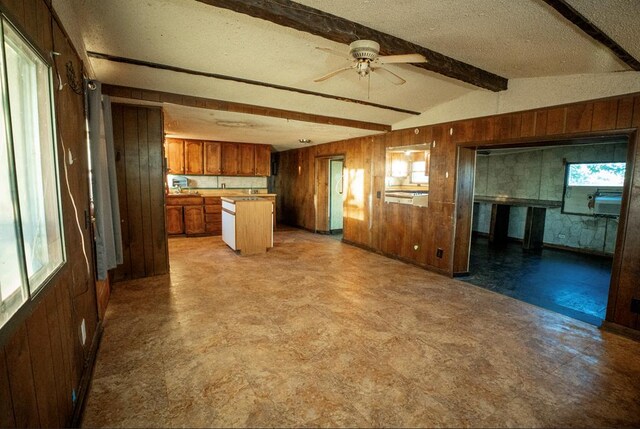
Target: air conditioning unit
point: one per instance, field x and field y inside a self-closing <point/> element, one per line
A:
<point x="607" y="205"/>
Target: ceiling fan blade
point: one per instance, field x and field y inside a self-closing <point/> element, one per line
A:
<point x="390" y="76"/>
<point x="408" y="58"/>
<point x="333" y="73"/>
<point x="334" y="52"/>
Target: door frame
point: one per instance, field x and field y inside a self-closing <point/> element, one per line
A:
<point x="320" y="190"/>
<point x="465" y="178"/>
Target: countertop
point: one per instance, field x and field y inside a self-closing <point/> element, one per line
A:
<point x="218" y="194"/>
<point x="245" y="198"/>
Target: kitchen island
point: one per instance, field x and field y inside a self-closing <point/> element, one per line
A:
<point x="247" y="223"/>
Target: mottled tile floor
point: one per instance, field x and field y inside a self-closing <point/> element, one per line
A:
<point x="319" y="333"/>
<point x="574" y="284"/>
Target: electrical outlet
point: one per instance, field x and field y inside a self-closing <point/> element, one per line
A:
<point x="439" y="253"/>
<point x="83" y="331"/>
<point x="378" y="194"/>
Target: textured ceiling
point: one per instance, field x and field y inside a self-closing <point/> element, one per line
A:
<point x="523" y="38"/>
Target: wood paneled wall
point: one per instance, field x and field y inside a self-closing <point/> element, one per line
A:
<point x="394" y="229"/>
<point x="43" y="363"/>
<point x="138" y="142"/>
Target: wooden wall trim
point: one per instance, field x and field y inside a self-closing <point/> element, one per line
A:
<point x="341" y="30"/>
<point x="230" y="106"/>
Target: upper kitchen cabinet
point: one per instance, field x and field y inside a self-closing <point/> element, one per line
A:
<point x="230" y="159"/>
<point x="263" y="160"/>
<point x="174" y="150"/>
<point x="247" y="157"/>
<point x="212" y="158"/>
<point x="193" y="159"/>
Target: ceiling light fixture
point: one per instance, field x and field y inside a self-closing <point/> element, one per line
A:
<point x="305" y="141"/>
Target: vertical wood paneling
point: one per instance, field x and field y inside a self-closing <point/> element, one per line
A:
<point x="138" y="135"/>
<point x="42" y="360"/>
<point x="145" y="201"/>
<point x="579" y="118"/>
<point x="625" y="112"/>
<point x="42" y="368"/>
<point x="67" y="324"/>
<point x="31" y="19"/>
<point x="23" y="391"/>
<point x="556" y="120"/>
<point x="156" y="192"/>
<point x="16" y="10"/>
<point x="63" y="385"/>
<point x="132" y="189"/>
<point x="6" y="402"/>
<point x="541" y="123"/>
<point x="604" y="115"/>
<point x="464" y="208"/>
<point x="528" y="124"/>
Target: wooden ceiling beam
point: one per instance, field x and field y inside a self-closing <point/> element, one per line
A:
<point x="580" y="21"/>
<point x="135" y="62"/>
<point x="229" y="106"/>
<point x="332" y="27"/>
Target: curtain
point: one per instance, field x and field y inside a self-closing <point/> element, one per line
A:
<point x="108" y="237"/>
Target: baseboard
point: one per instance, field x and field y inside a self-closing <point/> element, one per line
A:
<point x="87" y="376"/>
<point x="398" y="258"/>
<point x="620" y="330"/>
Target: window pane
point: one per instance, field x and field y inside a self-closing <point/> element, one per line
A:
<point x="597" y="174"/>
<point x="12" y="290"/>
<point x="32" y="131"/>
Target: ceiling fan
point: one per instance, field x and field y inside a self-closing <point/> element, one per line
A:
<point x="364" y="54"/>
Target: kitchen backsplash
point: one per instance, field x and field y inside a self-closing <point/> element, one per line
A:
<point x="218" y="182"/>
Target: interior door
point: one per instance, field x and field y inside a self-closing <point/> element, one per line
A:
<point x="336" y="199"/>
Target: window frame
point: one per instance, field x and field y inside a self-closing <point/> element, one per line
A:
<point x="34" y="290"/>
<point x="566" y="185"/>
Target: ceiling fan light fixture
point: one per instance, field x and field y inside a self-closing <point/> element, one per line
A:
<point x="364" y="49"/>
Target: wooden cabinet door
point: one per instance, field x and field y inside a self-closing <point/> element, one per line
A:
<point x="212" y="158"/>
<point x="174" y="151"/>
<point x="174" y="220"/>
<point x="193" y="161"/>
<point x="247" y="159"/>
<point x="263" y="160"/>
<point x="193" y="220"/>
<point x="230" y="161"/>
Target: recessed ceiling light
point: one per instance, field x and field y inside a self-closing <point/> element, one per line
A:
<point x="304" y="141"/>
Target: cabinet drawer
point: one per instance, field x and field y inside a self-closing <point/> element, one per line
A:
<point x="212" y="200"/>
<point x="215" y="218"/>
<point x="212" y="209"/>
<point x="183" y="201"/>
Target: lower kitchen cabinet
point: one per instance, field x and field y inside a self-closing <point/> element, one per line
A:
<point x="174" y="220"/>
<point x="193" y="220"/>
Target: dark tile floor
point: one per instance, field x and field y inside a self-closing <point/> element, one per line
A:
<point x="573" y="284"/>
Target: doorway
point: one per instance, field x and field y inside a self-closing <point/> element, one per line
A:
<point x="329" y="196"/>
<point x="544" y="223"/>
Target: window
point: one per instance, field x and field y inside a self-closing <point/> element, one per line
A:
<point x="419" y="172"/>
<point x="596" y="174"/>
<point x="593" y="188"/>
<point x="31" y="244"/>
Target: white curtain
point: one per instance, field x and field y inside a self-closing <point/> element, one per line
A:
<point x="103" y="181"/>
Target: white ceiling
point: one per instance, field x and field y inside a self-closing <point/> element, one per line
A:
<point x="524" y="38"/>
